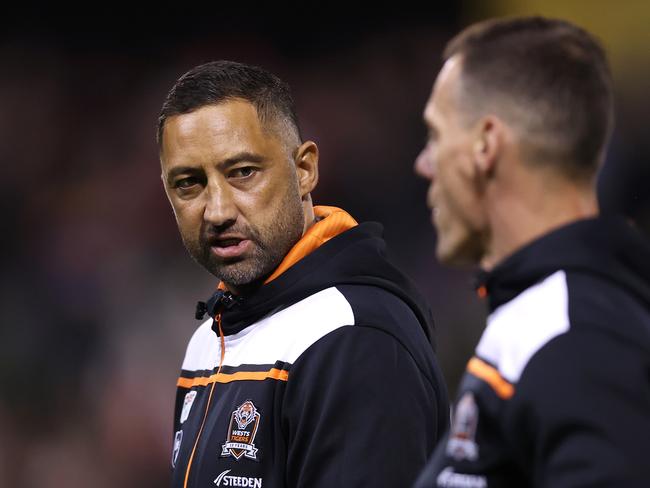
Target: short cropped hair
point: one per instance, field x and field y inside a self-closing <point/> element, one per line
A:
<point x="220" y="81"/>
<point x="549" y="78"/>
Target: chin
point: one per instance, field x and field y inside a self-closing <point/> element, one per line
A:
<point x="449" y="259"/>
<point x="444" y="255"/>
<point x="456" y="256"/>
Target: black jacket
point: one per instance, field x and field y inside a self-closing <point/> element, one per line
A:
<point x="328" y="379"/>
<point x="558" y="393"/>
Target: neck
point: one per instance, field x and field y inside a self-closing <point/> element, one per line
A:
<point x="528" y="212"/>
<point x="246" y="289"/>
<point x="308" y="210"/>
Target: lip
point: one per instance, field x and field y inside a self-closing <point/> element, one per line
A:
<point x="233" y="251"/>
<point x="435" y="214"/>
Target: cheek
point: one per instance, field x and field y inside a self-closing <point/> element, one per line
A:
<point x="189" y="217"/>
<point x="458" y="190"/>
<point x="270" y="196"/>
<point x="462" y="203"/>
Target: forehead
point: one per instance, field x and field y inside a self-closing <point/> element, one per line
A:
<point x="216" y="132"/>
<point x="233" y="117"/>
<point x="442" y="101"/>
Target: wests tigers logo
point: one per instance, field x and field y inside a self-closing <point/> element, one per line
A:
<point x="242" y="429"/>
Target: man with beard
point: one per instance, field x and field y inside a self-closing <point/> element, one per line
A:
<point x="558" y="391"/>
<point x="315" y="368"/>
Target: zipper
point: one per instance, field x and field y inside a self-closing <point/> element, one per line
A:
<point x="217" y="319"/>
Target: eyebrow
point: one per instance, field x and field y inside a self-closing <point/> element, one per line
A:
<point x="226" y="163"/>
<point x="242" y="156"/>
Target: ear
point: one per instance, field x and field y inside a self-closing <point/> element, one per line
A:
<point x="306" y="159"/>
<point x="488" y="144"/>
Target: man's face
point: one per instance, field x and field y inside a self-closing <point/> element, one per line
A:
<point x="447" y="162"/>
<point x="234" y="190"/>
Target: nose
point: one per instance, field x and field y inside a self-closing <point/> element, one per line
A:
<point x="220" y="207"/>
<point x="423" y="166"/>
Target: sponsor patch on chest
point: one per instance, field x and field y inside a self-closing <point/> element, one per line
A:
<point x="242" y="429"/>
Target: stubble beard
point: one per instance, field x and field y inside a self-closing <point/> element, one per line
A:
<point x="269" y="245"/>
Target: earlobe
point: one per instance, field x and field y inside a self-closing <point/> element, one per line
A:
<point x="307" y="167"/>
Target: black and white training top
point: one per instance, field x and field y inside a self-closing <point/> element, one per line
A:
<point x="558" y="392"/>
<point x="325" y="378"/>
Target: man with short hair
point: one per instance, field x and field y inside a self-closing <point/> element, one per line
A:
<point x="315" y="368"/>
<point x="558" y="391"/>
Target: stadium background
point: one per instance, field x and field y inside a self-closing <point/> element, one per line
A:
<point x="97" y="292"/>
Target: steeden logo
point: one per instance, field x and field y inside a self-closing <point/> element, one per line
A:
<point x="246" y="481"/>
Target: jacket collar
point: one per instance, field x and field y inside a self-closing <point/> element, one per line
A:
<point x="607" y="246"/>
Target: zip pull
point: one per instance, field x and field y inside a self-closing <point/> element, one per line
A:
<point x="222" y="341"/>
<point x="219" y="300"/>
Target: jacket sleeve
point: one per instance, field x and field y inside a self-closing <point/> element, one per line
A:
<point x="583" y="412"/>
<point x="358" y="412"/>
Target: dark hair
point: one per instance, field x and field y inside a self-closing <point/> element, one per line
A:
<point x="552" y="73"/>
<point x="219" y="81"/>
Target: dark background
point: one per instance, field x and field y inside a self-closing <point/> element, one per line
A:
<point x="97" y="290"/>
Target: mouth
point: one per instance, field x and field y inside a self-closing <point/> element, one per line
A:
<point x="433" y="204"/>
<point x="435" y="212"/>
<point x="229" y="246"/>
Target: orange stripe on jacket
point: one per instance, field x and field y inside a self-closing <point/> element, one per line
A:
<point x="273" y="374"/>
<point x="491" y="376"/>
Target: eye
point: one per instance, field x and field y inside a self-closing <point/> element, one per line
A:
<point x="243" y="172"/>
<point x="186" y="183"/>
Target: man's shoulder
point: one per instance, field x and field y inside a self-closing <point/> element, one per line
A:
<point x="519" y="328"/>
<point x="598" y="303"/>
<point x="564" y="312"/>
<point x="377" y="307"/>
<point x="341" y="309"/>
<point x="401" y="319"/>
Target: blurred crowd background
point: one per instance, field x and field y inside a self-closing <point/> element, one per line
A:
<point x="97" y="292"/>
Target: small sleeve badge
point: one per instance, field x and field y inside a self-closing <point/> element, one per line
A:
<point x="178" y="438"/>
<point x="242" y="429"/>
<point x="462" y="438"/>
<point x="187" y="405"/>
